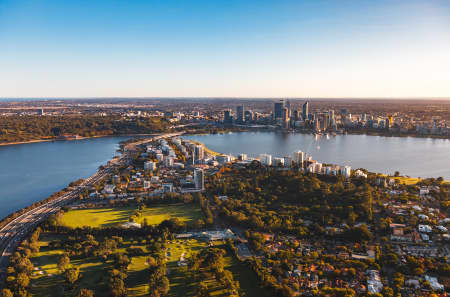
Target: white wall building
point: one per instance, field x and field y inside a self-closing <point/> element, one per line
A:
<point x="279" y="162"/>
<point x="346" y="171"/>
<point x="199" y="178"/>
<point x="299" y="157"/>
<point x="265" y="159"/>
<point x="149" y="165"/>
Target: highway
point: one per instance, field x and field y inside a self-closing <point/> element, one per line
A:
<point x="12" y="234"/>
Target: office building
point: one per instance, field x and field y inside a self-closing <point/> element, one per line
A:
<point x="332" y="118"/>
<point x="249" y="117"/>
<point x="199" y="179"/>
<point x="240" y="114"/>
<point x="227" y="117"/>
<point x="288" y="106"/>
<point x="285" y="118"/>
<point x="305" y="111"/>
<point x="278" y="110"/>
<point x="295" y="115"/>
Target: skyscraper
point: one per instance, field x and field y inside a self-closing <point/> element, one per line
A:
<point x="240" y="114"/>
<point x="295" y="114"/>
<point x="288" y="106"/>
<point x="199" y="178"/>
<point x="278" y="109"/>
<point x="331" y="117"/>
<point x="227" y="118"/>
<point x="305" y="110"/>
<point x="198" y="152"/>
<point x="285" y="118"/>
<point x="299" y="157"/>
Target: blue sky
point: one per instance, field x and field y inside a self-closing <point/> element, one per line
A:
<point x="224" y="48"/>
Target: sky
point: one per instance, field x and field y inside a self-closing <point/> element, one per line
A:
<point x="260" y="48"/>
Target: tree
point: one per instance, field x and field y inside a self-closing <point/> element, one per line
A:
<point x="117" y="287"/>
<point x="63" y="263"/>
<point x="6" y="293"/>
<point x="71" y="275"/>
<point x="22" y="280"/>
<point x="85" y="293"/>
<point x="202" y="290"/>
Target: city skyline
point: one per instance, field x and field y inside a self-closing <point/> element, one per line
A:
<point x="286" y="49"/>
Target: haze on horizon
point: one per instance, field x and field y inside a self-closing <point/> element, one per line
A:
<point x="321" y="49"/>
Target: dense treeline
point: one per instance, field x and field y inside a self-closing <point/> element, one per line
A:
<point x="25" y="128"/>
<point x="274" y="200"/>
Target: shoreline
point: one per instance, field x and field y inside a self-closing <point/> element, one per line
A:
<point x="248" y="129"/>
<point x="80" y="138"/>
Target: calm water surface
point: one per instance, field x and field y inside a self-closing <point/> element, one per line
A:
<point x="417" y="157"/>
<point x="32" y="172"/>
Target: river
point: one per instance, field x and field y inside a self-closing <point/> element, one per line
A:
<point x="33" y="171"/>
<point x="416" y="157"/>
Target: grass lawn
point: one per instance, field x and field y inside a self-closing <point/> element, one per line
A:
<point x="104" y="217"/>
<point x="48" y="281"/>
<point x="410" y="180"/>
<point x="183" y="283"/>
<point x="406" y="180"/>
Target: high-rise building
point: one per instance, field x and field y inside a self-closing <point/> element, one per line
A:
<point x="305" y="111"/>
<point x="40" y="111"/>
<point x="240" y="114"/>
<point x="227" y="118"/>
<point x="242" y="157"/>
<point x="278" y="109"/>
<point x="198" y="152"/>
<point x="364" y="117"/>
<point x="278" y="162"/>
<point x="288" y="106"/>
<point x="285" y="118"/>
<point x="346" y="171"/>
<point x="387" y="123"/>
<point x="199" y="178"/>
<point x="299" y="157"/>
<point x="265" y="159"/>
<point x="248" y="116"/>
<point x="331" y="117"/>
<point x="295" y="115"/>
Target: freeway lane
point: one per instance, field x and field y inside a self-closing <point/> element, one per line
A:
<point x="12" y="234"/>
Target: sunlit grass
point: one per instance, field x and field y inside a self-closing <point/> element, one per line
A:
<point x="104" y="217"/>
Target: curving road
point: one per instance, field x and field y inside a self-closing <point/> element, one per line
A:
<point x="12" y="234"/>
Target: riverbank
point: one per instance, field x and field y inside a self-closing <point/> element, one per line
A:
<point x="74" y="139"/>
<point x="207" y="150"/>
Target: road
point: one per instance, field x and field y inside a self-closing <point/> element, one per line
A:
<point x="12" y="234"/>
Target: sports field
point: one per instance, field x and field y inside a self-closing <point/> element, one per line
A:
<point x="105" y="217"/>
